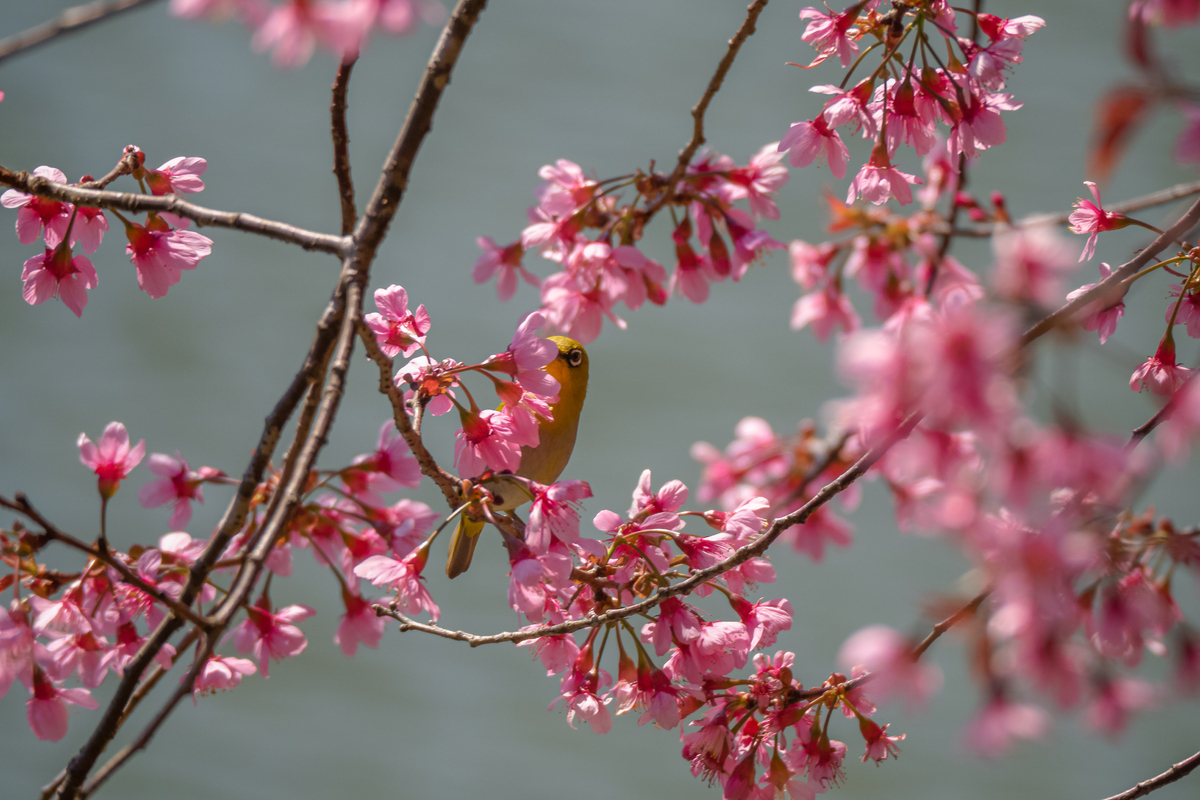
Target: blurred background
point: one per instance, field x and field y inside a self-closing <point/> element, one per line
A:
<point x="609" y="86"/>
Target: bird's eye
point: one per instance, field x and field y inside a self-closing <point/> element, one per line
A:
<point x="575" y="357"/>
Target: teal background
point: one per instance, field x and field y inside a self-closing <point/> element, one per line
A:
<point x="608" y="85"/>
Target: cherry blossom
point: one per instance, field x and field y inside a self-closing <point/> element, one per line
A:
<point x="272" y="635"/>
<point x="113" y="459"/>
<point x="38" y="213"/>
<point x="397" y="331"/>
<point x="55" y="273"/>
<point x="1092" y="219"/>
<point x="160" y="252"/>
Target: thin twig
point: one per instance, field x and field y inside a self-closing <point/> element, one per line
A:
<point x="173" y="203"/>
<point x="738" y="557"/>
<point x="341" y="142"/>
<point x="1111" y="286"/>
<point x="1173" y="774"/>
<point x="714" y="85"/>
<point x="69" y="21"/>
<point x="22" y="505"/>
<point x="1037" y="220"/>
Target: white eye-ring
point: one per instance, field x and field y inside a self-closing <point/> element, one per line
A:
<point x="575" y="357"/>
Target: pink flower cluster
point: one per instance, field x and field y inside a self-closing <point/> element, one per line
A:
<point x="903" y="105"/>
<point x="159" y="250"/>
<point x="291" y="30"/>
<point x="714" y="240"/>
<point x="59" y="627"/>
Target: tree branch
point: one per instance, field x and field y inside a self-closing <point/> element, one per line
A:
<point x="1173" y="774"/>
<point x="173" y="203"/>
<point x="69" y="21"/>
<point x="341" y="142"/>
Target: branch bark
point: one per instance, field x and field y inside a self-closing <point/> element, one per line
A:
<point x="69" y="21"/>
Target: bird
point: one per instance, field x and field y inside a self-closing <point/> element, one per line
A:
<point x="542" y="464"/>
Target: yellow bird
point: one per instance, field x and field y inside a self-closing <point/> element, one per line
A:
<point x="544" y="463"/>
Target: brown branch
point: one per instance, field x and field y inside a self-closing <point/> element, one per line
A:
<point x="447" y="482"/>
<point x="1134" y="204"/>
<point x="949" y="622"/>
<point x="69" y="21"/>
<point x="125" y="166"/>
<point x="173" y="203"/>
<point x="714" y="85"/>
<point x="1173" y="774"/>
<point x="341" y="142"/>
<point x="1111" y="287"/>
<point x="738" y="557"/>
<point x="22" y="505"/>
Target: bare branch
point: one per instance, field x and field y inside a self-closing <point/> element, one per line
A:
<point x="341" y="142"/>
<point x="173" y="203"/>
<point x="69" y="21"/>
<point x="1173" y="774"/>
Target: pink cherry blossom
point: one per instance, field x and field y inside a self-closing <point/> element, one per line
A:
<point x="38" y="213"/>
<point x="220" y="673"/>
<point x="113" y="459"/>
<point x="177" y="176"/>
<point x="813" y="140"/>
<point x="878" y="181"/>
<point x="829" y="33"/>
<point x="502" y="261"/>
<point x="526" y="357"/>
<point x="1115" y="699"/>
<point x="1102" y="320"/>
<point x="390" y="467"/>
<point x="981" y="126"/>
<point x="397" y="331"/>
<point x="17" y="647"/>
<point x="1029" y="263"/>
<point x="825" y="310"/>
<point x="179" y="485"/>
<point x="160" y="252"/>
<point x="999" y="722"/>
<point x="400" y="17"/>
<point x="485" y="441"/>
<point x="89" y="227"/>
<point x="292" y="30"/>
<point x="764" y="619"/>
<point x="757" y="181"/>
<point x="575" y="311"/>
<point x="1159" y="373"/>
<point x="272" y="635"/>
<point x="555" y="514"/>
<point x="55" y="273"/>
<point x="402" y="576"/>
<point x="47" y="710"/>
<point x="1091" y="218"/>
<point x="359" y="625"/>
<point x="432" y="382"/>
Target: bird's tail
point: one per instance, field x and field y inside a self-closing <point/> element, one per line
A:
<point x="462" y="546"/>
